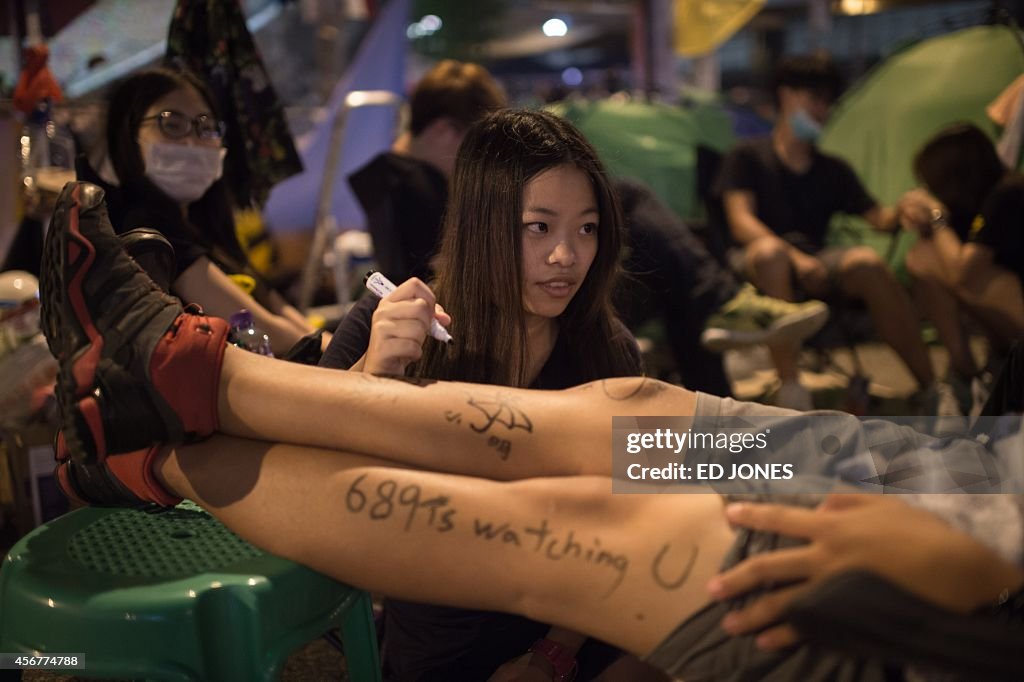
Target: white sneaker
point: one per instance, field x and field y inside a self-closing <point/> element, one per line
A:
<point x="793" y="396"/>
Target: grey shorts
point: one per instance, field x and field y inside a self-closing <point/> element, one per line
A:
<point x="831" y="256"/>
<point x="700" y="650"/>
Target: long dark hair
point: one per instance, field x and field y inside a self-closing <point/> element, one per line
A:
<point x="960" y="166"/>
<point x="479" y="264"/>
<point x="210" y="218"/>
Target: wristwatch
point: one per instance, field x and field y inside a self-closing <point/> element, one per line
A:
<point x="561" y="659"/>
<point x="939" y="219"/>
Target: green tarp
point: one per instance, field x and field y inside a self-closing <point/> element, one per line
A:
<point x="656" y="143"/>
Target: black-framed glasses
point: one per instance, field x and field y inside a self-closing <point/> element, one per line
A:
<point x="177" y="125"/>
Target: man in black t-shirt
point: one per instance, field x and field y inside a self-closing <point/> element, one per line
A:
<point x="403" y="191"/>
<point x="779" y="194"/>
<point x="403" y="198"/>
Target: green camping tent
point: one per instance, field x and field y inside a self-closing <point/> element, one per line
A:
<point x="655" y="143"/>
<point x="879" y="124"/>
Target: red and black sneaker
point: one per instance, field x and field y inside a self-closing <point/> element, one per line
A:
<point x="154" y="254"/>
<point x="135" y="368"/>
<point x="124" y="480"/>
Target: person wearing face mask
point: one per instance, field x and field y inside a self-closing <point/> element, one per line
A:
<point x="165" y="147"/>
<point x="778" y="195"/>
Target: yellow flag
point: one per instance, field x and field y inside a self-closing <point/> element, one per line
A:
<point x="703" y="25"/>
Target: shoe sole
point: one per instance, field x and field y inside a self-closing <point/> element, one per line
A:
<point x="789" y="329"/>
<point x="64" y="251"/>
<point x="92" y="343"/>
<point x="67" y="259"/>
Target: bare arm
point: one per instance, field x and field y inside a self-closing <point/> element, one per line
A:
<point x="747" y="228"/>
<point x="918" y="211"/>
<point x="626" y="568"/>
<point x="882" y="218"/>
<point x="741" y="215"/>
<point x="279" y="306"/>
<point x="971" y="267"/>
<point x="206" y="284"/>
<point x="975" y="266"/>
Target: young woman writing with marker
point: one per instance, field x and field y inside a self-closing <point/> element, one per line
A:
<point x="528" y="256"/>
<point x="142" y="380"/>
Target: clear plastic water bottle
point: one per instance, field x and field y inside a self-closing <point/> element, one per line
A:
<point x="245" y="335"/>
<point x="47" y="152"/>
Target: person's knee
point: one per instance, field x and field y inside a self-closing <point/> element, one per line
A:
<point x="766" y="252"/>
<point x="862" y="268"/>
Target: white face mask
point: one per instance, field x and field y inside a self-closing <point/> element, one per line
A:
<point x="183" y="172"/>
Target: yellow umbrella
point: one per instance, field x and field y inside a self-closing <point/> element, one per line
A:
<point x="703" y="25"/>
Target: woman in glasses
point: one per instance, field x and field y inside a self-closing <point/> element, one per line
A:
<point x="165" y="144"/>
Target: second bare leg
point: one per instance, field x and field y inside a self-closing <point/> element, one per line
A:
<point x="623" y="568"/>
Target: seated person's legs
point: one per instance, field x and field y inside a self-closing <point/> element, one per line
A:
<point x="863" y="275"/>
<point x="671" y="275"/>
<point x="768" y="263"/>
<point x="765" y="262"/>
<point x="933" y="289"/>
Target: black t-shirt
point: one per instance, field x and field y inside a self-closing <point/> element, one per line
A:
<point x="797" y="207"/>
<point x="1000" y="225"/>
<point x="352" y="337"/>
<point x="190" y="244"/>
<point x="131" y="208"/>
<point x="424" y="642"/>
<point x="404" y="202"/>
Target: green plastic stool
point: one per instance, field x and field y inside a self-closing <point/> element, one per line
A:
<point x="172" y="595"/>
